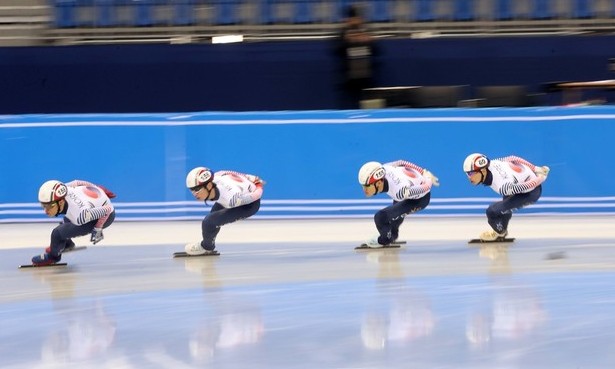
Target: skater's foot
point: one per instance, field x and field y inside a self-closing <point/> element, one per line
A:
<point x="373" y="243"/>
<point x="197" y="249"/>
<point x="45" y="259"/>
<point x="492" y="235"/>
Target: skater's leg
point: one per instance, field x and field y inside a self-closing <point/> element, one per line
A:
<point x="109" y="220"/>
<point x="395" y="224"/>
<point x="500" y="213"/>
<point x="389" y="219"/>
<point x="68" y="231"/>
<point x="61" y="236"/>
<point x="220" y="216"/>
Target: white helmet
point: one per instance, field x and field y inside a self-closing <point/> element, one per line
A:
<point x="52" y="191"/>
<point x="475" y="162"/>
<point x="371" y="172"/>
<point x="199" y="176"/>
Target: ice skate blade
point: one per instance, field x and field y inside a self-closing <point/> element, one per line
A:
<point x="185" y="255"/>
<point x="41" y="266"/>
<point x="76" y="248"/>
<point x="394" y="245"/>
<point x="497" y="240"/>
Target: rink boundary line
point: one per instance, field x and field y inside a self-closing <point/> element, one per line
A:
<point x="319" y="217"/>
<point x="274" y="121"/>
<point x="324" y="210"/>
<point x="192" y="203"/>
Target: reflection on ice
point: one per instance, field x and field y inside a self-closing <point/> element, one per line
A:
<point x="84" y="332"/>
<point x="75" y="332"/>
<point x="512" y="309"/>
<point x="402" y="313"/>
<point x="516" y="310"/>
<point x="314" y="306"/>
<point x="236" y="321"/>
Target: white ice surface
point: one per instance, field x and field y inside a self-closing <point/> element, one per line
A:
<point x="317" y="230"/>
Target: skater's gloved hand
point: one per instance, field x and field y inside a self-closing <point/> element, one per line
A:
<point x="434" y="180"/>
<point x="97" y="235"/>
<point x="542" y="171"/>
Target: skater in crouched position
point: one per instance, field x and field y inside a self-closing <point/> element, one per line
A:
<point x="516" y="179"/>
<point x="236" y="196"/>
<point x="406" y="183"/>
<point x="87" y="209"/>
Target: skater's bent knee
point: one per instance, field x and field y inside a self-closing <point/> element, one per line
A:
<point x="57" y="235"/>
<point x="381" y="217"/>
<point x="492" y="211"/>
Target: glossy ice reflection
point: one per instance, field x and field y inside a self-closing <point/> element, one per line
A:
<point x="315" y="306"/>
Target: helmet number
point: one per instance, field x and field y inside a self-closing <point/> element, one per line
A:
<point x="378" y="174"/>
<point x="60" y="190"/>
<point x="204" y="176"/>
<point x="480" y="162"/>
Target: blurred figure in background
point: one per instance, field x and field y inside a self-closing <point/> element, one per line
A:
<point x="356" y="50"/>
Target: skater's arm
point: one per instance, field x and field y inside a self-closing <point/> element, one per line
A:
<point x="407" y="164"/>
<point x="517" y="160"/>
<point x="255" y="192"/>
<point x="79" y="182"/>
<point x="250" y="177"/>
<point x="414" y="192"/>
<point x="426" y="174"/>
<point x="513" y="189"/>
<point x="100" y="213"/>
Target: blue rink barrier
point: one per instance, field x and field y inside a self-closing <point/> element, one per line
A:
<point x="309" y="159"/>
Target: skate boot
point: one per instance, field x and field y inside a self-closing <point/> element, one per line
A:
<point x="45" y="259"/>
<point x="197" y="249"/>
<point x="492" y="235"/>
<point x="373" y="243"/>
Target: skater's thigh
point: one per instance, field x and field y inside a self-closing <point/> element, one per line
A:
<point x="68" y="230"/>
<point x="518" y="201"/>
<point x="407" y="206"/>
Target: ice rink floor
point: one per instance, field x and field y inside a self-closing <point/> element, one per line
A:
<point x="295" y="294"/>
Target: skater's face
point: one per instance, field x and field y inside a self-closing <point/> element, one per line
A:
<point x="475" y="177"/>
<point x="372" y="189"/>
<point x="199" y="193"/>
<point x="202" y="192"/>
<point x="51" y="208"/>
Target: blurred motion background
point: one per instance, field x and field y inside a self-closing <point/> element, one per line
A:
<point x="110" y="56"/>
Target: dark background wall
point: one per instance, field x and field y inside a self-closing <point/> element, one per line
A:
<point x="274" y="76"/>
